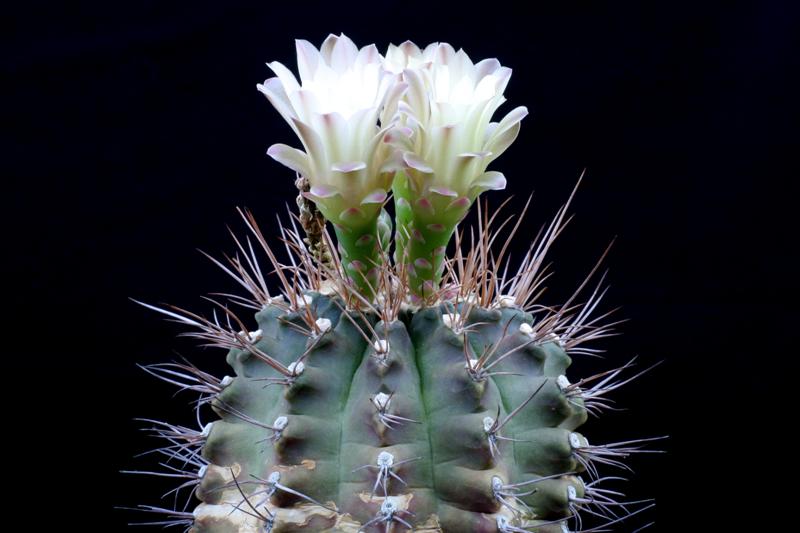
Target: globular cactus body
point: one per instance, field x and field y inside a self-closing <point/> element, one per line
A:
<point x="403" y="419"/>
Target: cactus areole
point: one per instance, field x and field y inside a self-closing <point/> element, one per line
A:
<point x="382" y="384"/>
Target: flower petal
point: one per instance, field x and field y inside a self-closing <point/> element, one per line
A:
<point x="343" y="54"/>
<point x="459" y="204"/>
<point x="417" y="163"/>
<point x="351" y="215"/>
<point x="348" y="166"/>
<point x="323" y="191"/>
<point x="308" y="58"/>
<point x="368" y="54"/>
<point x="313" y="145"/>
<point x="394" y="163"/>
<point x="492" y="181"/>
<point x="486" y="88"/>
<point x="285" y="75"/>
<point x="417" y="93"/>
<point x="444" y="191"/>
<point x="305" y="104"/>
<point x="500" y="143"/>
<point x="275" y="93"/>
<point x="486" y="67"/>
<point x="290" y="157"/>
<point x="375" y="197"/>
<point x="445" y="54"/>
<point x="326" y="50"/>
<point x="503" y="74"/>
<point x="513" y="117"/>
<point x="332" y="129"/>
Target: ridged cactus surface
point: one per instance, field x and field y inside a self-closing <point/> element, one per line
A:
<point x="396" y="428"/>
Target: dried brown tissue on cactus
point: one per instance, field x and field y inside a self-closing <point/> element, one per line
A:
<point x="378" y="383"/>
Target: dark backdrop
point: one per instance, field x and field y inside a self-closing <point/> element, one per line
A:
<point x="132" y="130"/>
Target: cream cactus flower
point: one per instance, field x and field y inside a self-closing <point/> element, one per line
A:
<point x="334" y="110"/>
<point x="450" y="139"/>
<point x="446" y="139"/>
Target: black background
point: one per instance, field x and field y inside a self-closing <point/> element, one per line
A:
<point x="132" y="130"/>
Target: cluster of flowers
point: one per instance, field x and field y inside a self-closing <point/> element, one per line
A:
<point x="363" y="118"/>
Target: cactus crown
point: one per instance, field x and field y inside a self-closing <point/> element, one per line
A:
<point x="405" y="390"/>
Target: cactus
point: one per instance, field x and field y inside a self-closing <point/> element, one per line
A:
<point x="397" y="400"/>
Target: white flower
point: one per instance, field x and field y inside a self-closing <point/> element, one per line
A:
<point x="448" y="107"/>
<point x="334" y="110"/>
